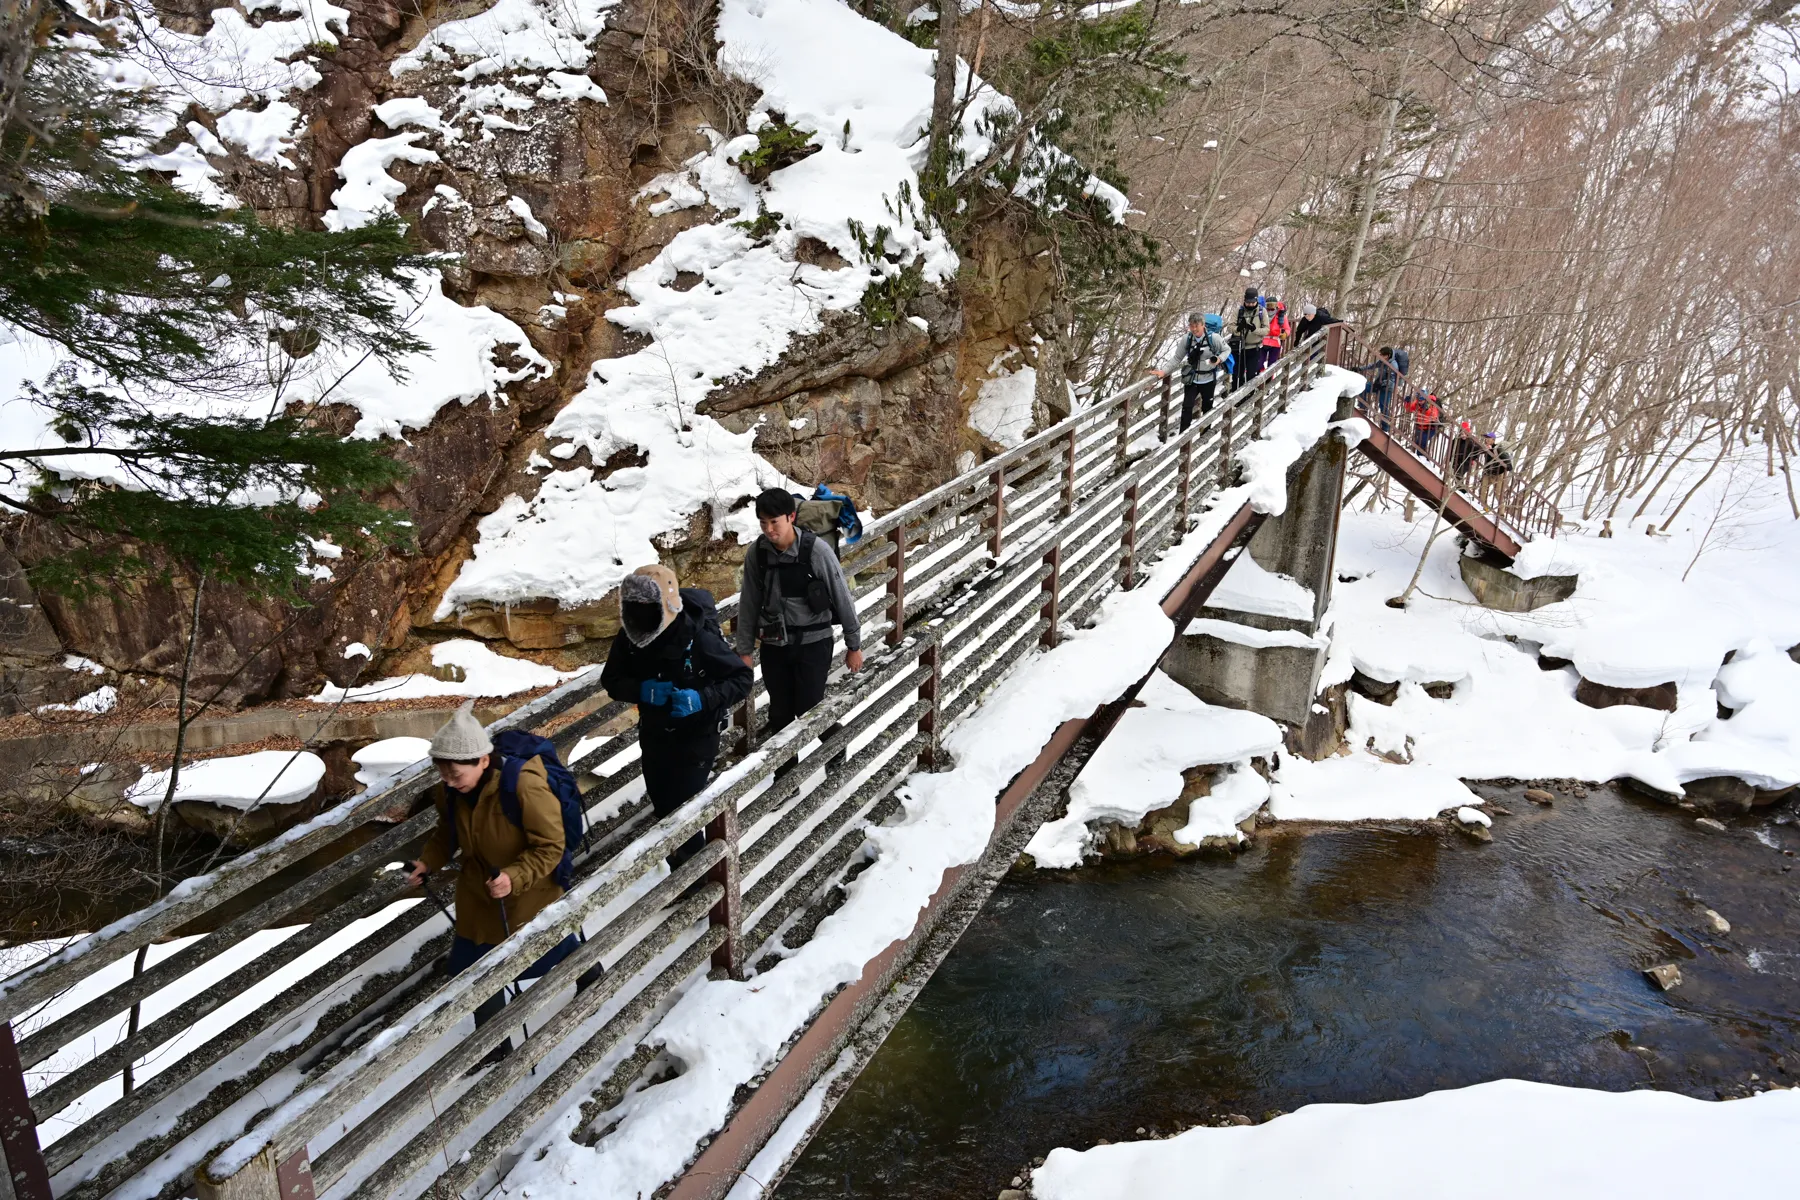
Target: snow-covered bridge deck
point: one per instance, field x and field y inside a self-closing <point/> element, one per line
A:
<point x="278" y="1027"/>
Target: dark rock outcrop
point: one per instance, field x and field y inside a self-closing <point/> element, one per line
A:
<point x="1598" y="695"/>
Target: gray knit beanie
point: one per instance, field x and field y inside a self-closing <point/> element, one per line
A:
<point x="462" y="738"/>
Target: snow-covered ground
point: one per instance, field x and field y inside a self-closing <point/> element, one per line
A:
<point x="483" y="673"/>
<point x="1633" y="621"/>
<point x="1499" y="1140"/>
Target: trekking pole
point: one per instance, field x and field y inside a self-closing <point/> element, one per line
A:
<point x="441" y="907"/>
<point x="517" y="992"/>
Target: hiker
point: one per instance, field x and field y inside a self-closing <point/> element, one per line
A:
<point x="509" y="868"/>
<point x="1312" y="319"/>
<point x="1382" y="378"/>
<point x="1249" y="328"/>
<point x="1466" y="452"/>
<point x="1274" y="340"/>
<point x="793" y="593"/>
<point x="1402" y="360"/>
<point x="1425" y="414"/>
<point x="1497" y="459"/>
<point x="1199" y="356"/>
<point x="671" y="660"/>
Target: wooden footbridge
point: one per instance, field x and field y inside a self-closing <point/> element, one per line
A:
<point x="279" y="1029"/>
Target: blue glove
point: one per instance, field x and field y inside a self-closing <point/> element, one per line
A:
<point x="656" y="691"/>
<point x="685" y="703"/>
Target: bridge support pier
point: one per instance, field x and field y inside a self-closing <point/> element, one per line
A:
<point x="1265" y="647"/>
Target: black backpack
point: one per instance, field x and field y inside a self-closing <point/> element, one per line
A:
<point x="797" y="578"/>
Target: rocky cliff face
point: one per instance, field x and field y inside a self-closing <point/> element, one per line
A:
<point x="879" y="410"/>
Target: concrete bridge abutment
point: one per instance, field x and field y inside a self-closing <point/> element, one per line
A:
<point x="1260" y="644"/>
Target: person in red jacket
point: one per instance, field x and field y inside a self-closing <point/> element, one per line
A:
<point x="1276" y="338"/>
<point x="1425" y="418"/>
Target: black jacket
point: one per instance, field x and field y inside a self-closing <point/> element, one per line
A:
<point x="1305" y="327"/>
<point x="690" y="653"/>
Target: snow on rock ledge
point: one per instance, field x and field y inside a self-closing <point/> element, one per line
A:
<point x="864" y="94"/>
<point x="240" y="781"/>
<point x="1137" y="770"/>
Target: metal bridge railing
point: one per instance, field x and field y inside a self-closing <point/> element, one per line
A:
<point x="1510" y="499"/>
<point x="350" y="1074"/>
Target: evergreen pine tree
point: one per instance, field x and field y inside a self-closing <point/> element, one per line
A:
<point x="171" y="313"/>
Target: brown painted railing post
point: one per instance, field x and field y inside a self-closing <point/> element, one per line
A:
<point x="261" y="1179"/>
<point x="897" y="586"/>
<point x="1258" y="414"/>
<point x="26" y="1176"/>
<point x="928" y="720"/>
<point x="743" y="717"/>
<point x="997" y="540"/>
<point x="1185" y="487"/>
<point x="1225" y="446"/>
<point x="729" y="911"/>
<point x="1068" y="493"/>
<point x="1052" y="595"/>
<point x="1124" y="429"/>
<point x="1128" y="561"/>
<point x="1162" y="416"/>
<point x="1334" y="345"/>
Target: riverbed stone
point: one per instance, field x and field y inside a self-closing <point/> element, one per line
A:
<point x="1381" y="691"/>
<point x="1720" y="924"/>
<point x="1666" y="976"/>
<point x="1661" y="697"/>
<point x="1710" y="824"/>
<point x="1721" y="795"/>
<point x="1540" y="796"/>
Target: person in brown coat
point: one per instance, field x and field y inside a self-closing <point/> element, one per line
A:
<point x="508" y="870"/>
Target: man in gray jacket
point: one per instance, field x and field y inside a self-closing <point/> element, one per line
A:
<point x="793" y="593"/>
<point x="1197" y="359"/>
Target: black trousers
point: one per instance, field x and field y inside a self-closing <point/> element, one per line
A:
<point x="464" y="952"/>
<point x="675" y="769"/>
<point x="795" y="677"/>
<point x="1202" y="392"/>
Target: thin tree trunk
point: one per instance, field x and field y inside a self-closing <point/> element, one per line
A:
<point x="181" y="727"/>
<point x="943" y="104"/>
<point x="1365" y="204"/>
<point x="1437" y="525"/>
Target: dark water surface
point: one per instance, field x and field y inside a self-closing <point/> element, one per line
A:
<point x="1336" y="964"/>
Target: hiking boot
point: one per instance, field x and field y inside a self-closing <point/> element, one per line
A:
<point x="590" y="977"/>
<point x="494" y="1057"/>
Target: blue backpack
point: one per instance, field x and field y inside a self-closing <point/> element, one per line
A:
<point x="849" y="523"/>
<point x="515" y="747"/>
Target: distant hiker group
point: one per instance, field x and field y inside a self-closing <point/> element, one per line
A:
<point x="1392" y="400"/>
<point x="1259" y="333"/>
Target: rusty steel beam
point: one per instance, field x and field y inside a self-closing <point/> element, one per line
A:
<point x="1404" y="467"/>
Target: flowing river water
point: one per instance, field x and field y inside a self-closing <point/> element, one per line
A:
<point x="1354" y="963"/>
